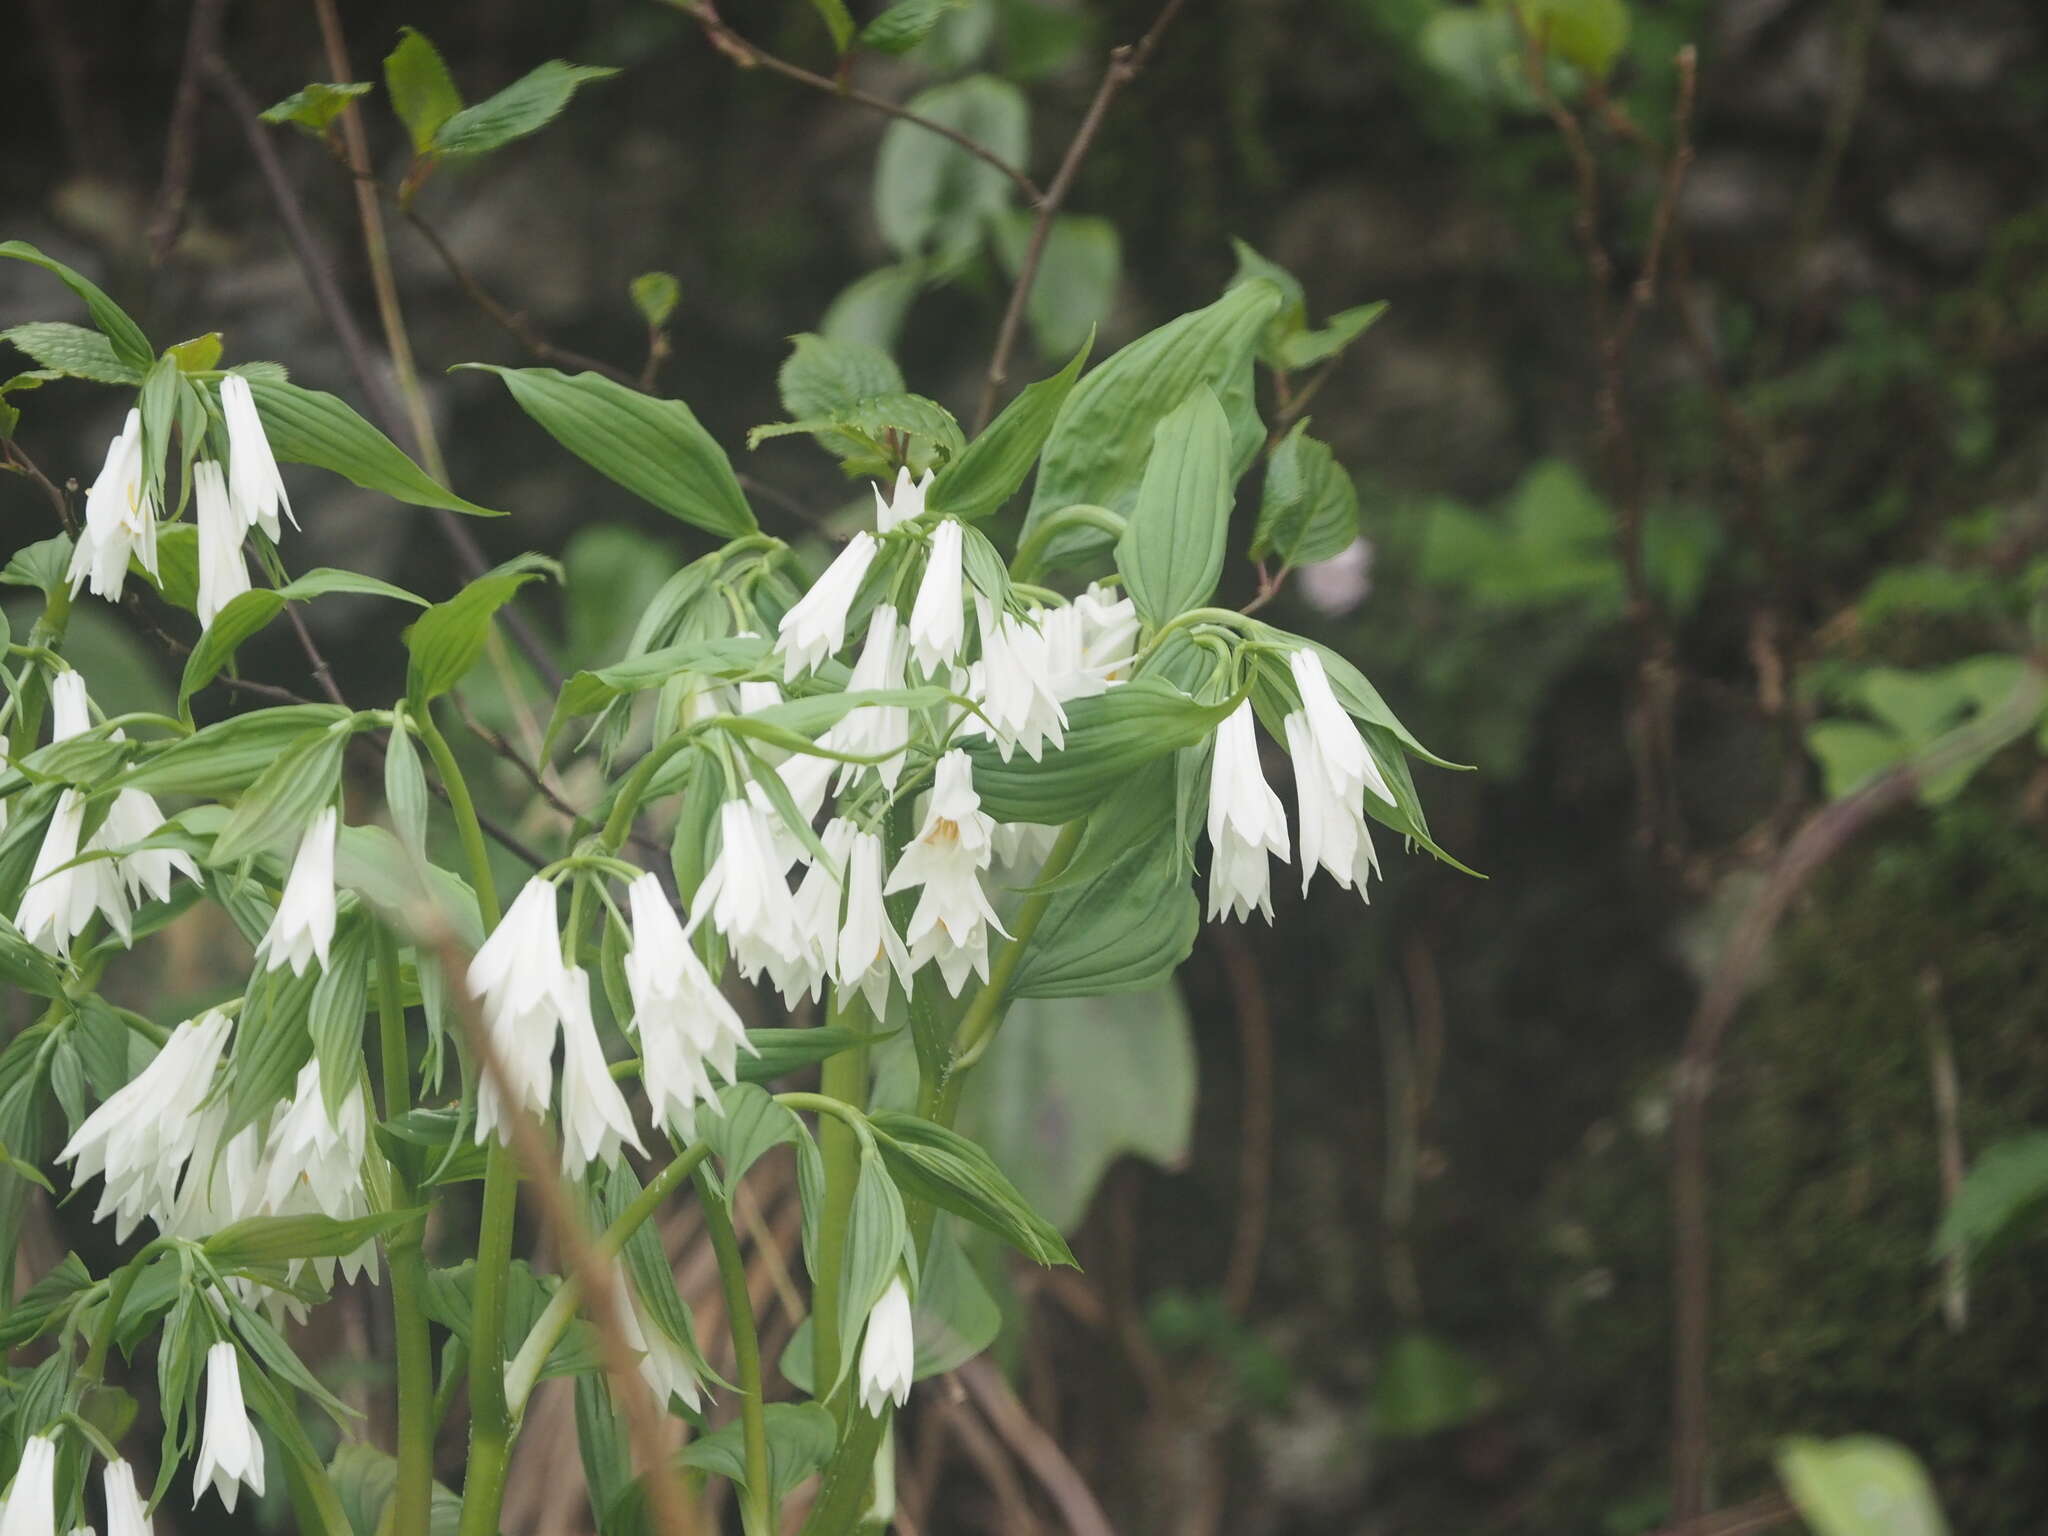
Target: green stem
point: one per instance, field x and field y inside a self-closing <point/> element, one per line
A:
<point x="412" y="1496"/>
<point x="985" y="1014"/>
<point x="467" y="826"/>
<point x="1031" y="553"/>
<point x="490" y="1431"/>
<point x="757" y="1499"/>
<point x="118" y="1290"/>
<point x="627" y="805"/>
<point x="549" y="1327"/>
<point x="844" y="1079"/>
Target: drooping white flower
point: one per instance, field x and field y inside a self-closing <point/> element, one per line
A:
<point x="1016" y="684"/>
<point x="816" y="627"/>
<point x="127" y="1515"/>
<point x="59" y="902"/>
<point x="873" y="729"/>
<point x="313" y="1162"/>
<point x="745" y="892"/>
<point x="869" y="950"/>
<point x="519" y="975"/>
<point x="303" y="925"/>
<point x="904" y="502"/>
<point x="1109" y="631"/>
<point x="1335" y="734"/>
<point x="938" y="624"/>
<point x="255" y="488"/>
<point x="223" y="574"/>
<point x="816" y="910"/>
<point x="1246" y="822"/>
<point x="595" y="1117"/>
<point x="663" y="1365"/>
<point x="32" y="1501"/>
<point x="230" y="1451"/>
<point x="143" y="1135"/>
<point x="684" y="1022"/>
<point x="70" y="708"/>
<point x="133" y="816"/>
<point x="223" y="1180"/>
<point x="120" y="520"/>
<point x="1334" y="835"/>
<point x="888" y="1355"/>
<point x="952" y="848"/>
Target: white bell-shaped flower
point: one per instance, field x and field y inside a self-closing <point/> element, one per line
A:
<point x="816" y="907"/>
<point x="230" y="1451"/>
<point x="59" y="902"/>
<point x="874" y="729"/>
<point x="70" y="706"/>
<point x="663" y="1365"/>
<point x="905" y="500"/>
<point x="955" y="844"/>
<point x="127" y="1515"/>
<point x="303" y="925"/>
<point x="595" y="1116"/>
<point x="746" y="894"/>
<point x="313" y="1162"/>
<point x="144" y="1134"/>
<point x="255" y="488"/>
<point x="1016" y="684"/>
<point x="1109" y="631"/>
<point x="816" y="626"/>
<point x="684" y="1022"/>
<point x="31" y="1508"/>
<point x="519" y="976"/>
<point x="938" y="622"/>
<point x="120" y="520"/>
<point x="223" y="573"/>
<point x="1334" y="835"/>
<point x="1343" y="751"/>
<point x="133" y="816"/>
<point x="1246" y="822"/>
<point x="888" y="1355"/>
<point x="869" y="948"/>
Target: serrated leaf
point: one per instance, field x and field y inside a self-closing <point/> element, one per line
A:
<point x="306" y="426"/>
<point x="72" y="351"/>
<point x="130" y="346"/>
<point x="821" y="377"/>
<point x="906" y="24"/>
<point x="447" y="639"/>
<point x="525" y="106"/>
<point x="1171" y="552"/>
<point x="423" y="93"/>
<point x="1309" y="509"/>
<point x="657" y="449"/>
<point x="311" y="108"/>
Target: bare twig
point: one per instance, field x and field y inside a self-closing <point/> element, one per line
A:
<point x="201" y="39"/>
<point x="1125" y="63"/>
<point x="1762" y="1514"/>
<point x="1948" y="1140"/>
<point x="751" y="56"/>
<point x="1035" y="1448"/>
<point x="1823" y="835"/>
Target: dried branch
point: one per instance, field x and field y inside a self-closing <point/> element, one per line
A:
<point x="1125" y="63"/>
<point x="1255" y="1123"/>
<point x="751" y="56"/>
<point x="1039" y="1452"/>
<point x="201" y="40"/>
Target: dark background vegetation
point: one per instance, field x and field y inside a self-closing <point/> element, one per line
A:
<point x="1435" y="1132"/>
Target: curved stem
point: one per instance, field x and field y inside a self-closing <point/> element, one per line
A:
<point x="1031" y="553"/>
<point x="118" y="1290"/>
<point x="757" y="1499"/>
<point x="467" y="826"/>
<point x="985" y="1014"/>
<point x="844" y="1080"/>
<point x="412" y="1495"/>
<point x="627" y="805"/>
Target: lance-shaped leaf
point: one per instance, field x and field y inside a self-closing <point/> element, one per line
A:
<point x="274" y="810"/>
<point x="989" y="470"/>
<point x="228" y="756"/>
<point x="248" y="612"/>
<point x="123" y="334"/>
<point x="934" y="1163"/>
<point x="657" y="449"/>
<point x="306" y="426"/>
<point x="1109" y="737"/>
<point x="525" y="106"/>
<point x="1125" y="929"/>
<point x="447" y="639"/>
<point x="1171" y="552"/>
<point x="276" y="1239"/>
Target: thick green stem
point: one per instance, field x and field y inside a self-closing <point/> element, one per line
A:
<point x="412" y="1495"/>
<point x="549" y="1327"/>
<point x="1031" y="554"/>
<point x="757" y="1499"/>
<point x="845" y="1078"/>
<point x="467" y="827"/>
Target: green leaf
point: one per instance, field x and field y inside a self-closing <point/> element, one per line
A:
<point x="1859" y="1485"/>
<point x="905" y="24"/>
<point x="870" y="309"/>
<point x="364" y="1479"/>
<point x="306" y="426"/>
<point x="934" y="1163"/>
<point x="1309" y="510"/>
<point x="801" y="1437"/>
<point x="1102" y="437"/>
<point x="313" y="107"/>
<point x="954" y="1318"/>
<point x="525" y="106"/>
<point x="657" y="449"/>
<point x="275" y="1239"/>
<point x="1587" y="34"/>
<point x="129" y="344"/>
<point x="822" y="377"/>
<point x="334" y="1017"/>
<point x="242" y="616"/>
<point x="405" y="789"/>
<point x="1304" y="349"/>
<point x="987" y="473"/>
<point x="40" y="565"/>
<point x="872" y="435"/>
<point x="423" y="93"/>
<point x="274" y="811"/>
<point x="877" y="1238"/>
<point x="230" y="754"/>
<point x="1852" y="753"/>
<point x="783" y="1051"/>
<point x="72" y="350"/>
<point x="933" y="197"/>
<point x="655" y="295"/>
<point x="1171" y="552"/>
<point x="447" y="639"/>
<point x="1425" y="1385"/>
<point x="1078" y="271"/>
<point x="1108" y="736"/>
<point x="2009" y="1180"/>
<point x="750" y="1124"/>
<point x="1125" y="929"/>
<point x="27" y="967"/>
<point x="838" y="21"/>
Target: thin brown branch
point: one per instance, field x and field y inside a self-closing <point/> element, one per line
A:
<point x="1013" y="1516"/>
<point x="751" y="56"/>
<point x="512" y="322"/>
<point x="1255" y="1117"/>
<point x="1823" y="835"/>
<point x="1763" y="1514"/>
<point x="1948" y="1140"/>
<point x="1037" y="1450"/>
<point x="201" y="40"/>
<point x="1125" y="63"/>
